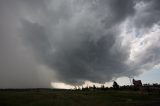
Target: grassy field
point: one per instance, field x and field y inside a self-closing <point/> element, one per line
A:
<point x="77" y="98"/>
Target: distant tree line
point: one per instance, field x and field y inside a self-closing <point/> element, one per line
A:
<point x="150" y="88"/>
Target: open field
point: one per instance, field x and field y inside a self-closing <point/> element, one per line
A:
<point x="77" y="98"/>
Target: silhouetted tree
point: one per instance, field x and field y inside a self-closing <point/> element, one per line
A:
<point x="115" y="85"/>
<point x="94" y="87"/>
<point x="102" y="86"/>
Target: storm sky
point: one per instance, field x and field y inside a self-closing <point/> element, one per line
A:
<point x="73" y="41"/>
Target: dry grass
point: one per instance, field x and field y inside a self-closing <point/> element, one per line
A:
<point x="77" y="98"/>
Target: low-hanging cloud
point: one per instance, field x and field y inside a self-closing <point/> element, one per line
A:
<point x="79" y="40"/>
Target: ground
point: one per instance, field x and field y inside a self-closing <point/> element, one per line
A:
<point x="77" y="98"/>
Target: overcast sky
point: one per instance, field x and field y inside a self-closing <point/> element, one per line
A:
<point x="47" y="42"/>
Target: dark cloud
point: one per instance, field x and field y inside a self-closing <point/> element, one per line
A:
<point x="148" y="14"/>
<point x="77" y="40"/>
<point x="117" y="10"/>
<point x="84" y="51"/>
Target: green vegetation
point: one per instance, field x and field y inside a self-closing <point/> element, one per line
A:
<point x="77" y="98"/>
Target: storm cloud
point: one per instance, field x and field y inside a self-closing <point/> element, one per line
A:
<point x="77" y="40"/>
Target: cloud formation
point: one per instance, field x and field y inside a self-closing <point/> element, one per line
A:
<point x="79" y="40"/>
